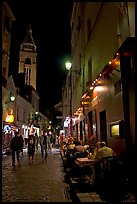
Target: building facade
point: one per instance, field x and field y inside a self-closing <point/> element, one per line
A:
<point x="102" y="91"/>
<point x="7" y="20"/>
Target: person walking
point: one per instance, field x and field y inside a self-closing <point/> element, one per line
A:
<point x="43" y="145"/>
<point x="36" y="141"/>
<point x="31" y="148"/>
<point x="21" y="144"/>
<point x="50" y="143"/>
<point x="15" y="148"/>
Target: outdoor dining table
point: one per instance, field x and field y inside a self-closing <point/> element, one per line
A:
<point x="83" y="162"/>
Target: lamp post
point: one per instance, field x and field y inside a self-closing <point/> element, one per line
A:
<point x="68" y="67"/>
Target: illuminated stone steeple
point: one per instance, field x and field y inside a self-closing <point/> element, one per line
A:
<point x="28" y="57"/>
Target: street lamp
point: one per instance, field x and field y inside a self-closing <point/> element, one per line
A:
<point x="68" y="67"/>
<point x="11" y="98"/>
<point x="37" y="116"/>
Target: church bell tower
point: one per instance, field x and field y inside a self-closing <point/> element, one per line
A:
<point x="28" y="59"/>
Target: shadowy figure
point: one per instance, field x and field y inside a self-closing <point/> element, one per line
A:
<point x="43" y="145"/>
<point x="15" y="148"/>
<point x="21" y="144"/>
<point x="31" y="148"/>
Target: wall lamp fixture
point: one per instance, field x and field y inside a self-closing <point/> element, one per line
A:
<point x="11" y="98"/>
<point x="69" y="66"/>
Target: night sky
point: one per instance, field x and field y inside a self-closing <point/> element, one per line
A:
<point x="50" y="23"/>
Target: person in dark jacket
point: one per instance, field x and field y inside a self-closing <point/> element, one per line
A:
<point x="43" y="145"/>
<point x="21" y="144"/>
<point x="31" y="148"/>
<point x="15" y="148"/>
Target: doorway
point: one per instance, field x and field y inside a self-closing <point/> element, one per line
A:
<point x="103" y="126"/>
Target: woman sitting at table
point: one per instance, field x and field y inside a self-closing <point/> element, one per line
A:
<point x="80" y="150"/>
<point x="79" y="147"/>
<point x="70" y="144"/>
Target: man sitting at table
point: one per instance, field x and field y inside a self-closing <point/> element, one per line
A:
<point x="104" y="151"/>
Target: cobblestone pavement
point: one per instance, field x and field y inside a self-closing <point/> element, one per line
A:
<point x="37" y="182"/>
<point x="43" y="181"/>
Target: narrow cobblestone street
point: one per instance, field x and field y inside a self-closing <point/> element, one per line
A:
<point x="43" y="181"/>
<point x="37" y="182"/>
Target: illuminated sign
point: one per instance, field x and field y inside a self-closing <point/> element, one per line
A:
<point x="117" y="129"/>
<point x="10" y="118"/>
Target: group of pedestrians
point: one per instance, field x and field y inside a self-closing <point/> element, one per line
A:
<point x="16" y="146"/>
<point x="33" y="141"/>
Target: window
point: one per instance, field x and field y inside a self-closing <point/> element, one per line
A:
<point x="7" y="24"/>
<point x="88" y="29"/>
<point x="4" y="72"/>
<point x="90" y="70"/>
<point x="24" y="114"/>
<point x="29" y="75"/>
<point x="27" y="61"/>
<point x="117" y="87"/>
<point x="17" y="114"/>
<point x="79" y="24"/>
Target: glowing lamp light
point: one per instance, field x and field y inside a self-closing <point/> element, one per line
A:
<point x="117" y="53"/>
<point x="91" y="87"/>
<point x="68" y="65"/>
<point x="117" y="62"/>
<point x="12" y="98"/>
<point x="9" y="118"/>
<point x="84" y="96"/>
